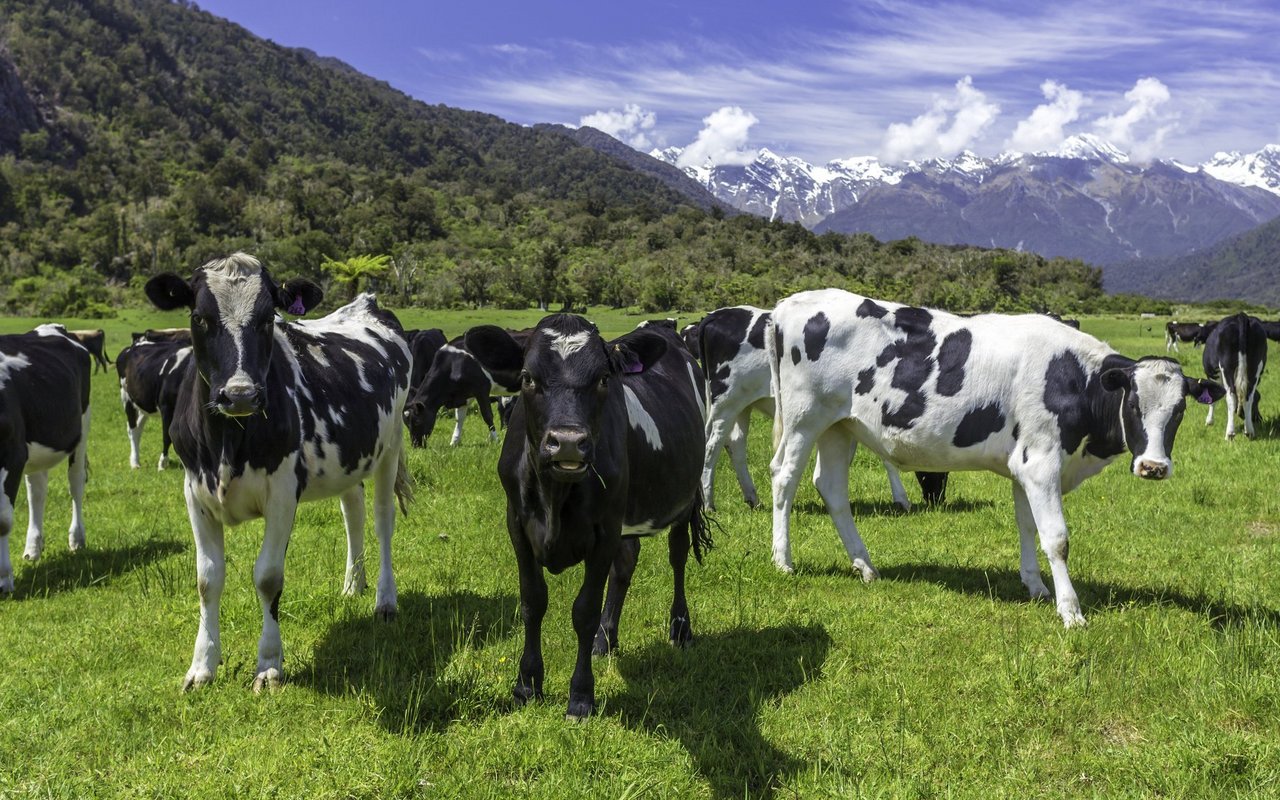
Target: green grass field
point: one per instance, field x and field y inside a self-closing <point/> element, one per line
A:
<point x="939" y="679"/>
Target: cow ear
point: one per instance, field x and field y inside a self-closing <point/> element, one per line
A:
<point x="1206" y="392"/>
<point x="168" y="291"/>
<point x="637" y="351"/>
<point x="1114" y="379"/>
<point x="298" y="296"/>
<point x="494" y="348"/>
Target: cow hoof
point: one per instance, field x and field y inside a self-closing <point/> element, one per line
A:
<point x="6" y="586"/>
<point x="135" y="466"/>
<point x="75" y="542"/>
<point x="386" y="613"/>
<point x="579" y="710"/>
<point x="752" y="501"/>
<point x="681" y="632"/>
<point x="524" y="694"/>
<point x="1039" y="591"/>
<point x="270" y="678"/>
<point x="869" y="573"/>
<point x="33" y="551"/>
<point x="785" y="567"/>
<point x="354" y="585"/>
<point x="604" y="644"/>
<point x="1072" y="618"/>
<point x="196" y="678"/>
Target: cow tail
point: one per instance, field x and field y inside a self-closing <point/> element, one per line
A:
<point x="775" y="380"/>
<point x="404" y="483"/>
<point x="700" y="527"/>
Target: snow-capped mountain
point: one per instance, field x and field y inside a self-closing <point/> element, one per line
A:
<point x="1084" y="199"/>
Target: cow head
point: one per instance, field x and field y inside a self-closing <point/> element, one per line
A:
<point x="233" y="304"/>
<point x="567" y="375"/>
<point x="1154" y="393"/>
<point x="428" y="398"/>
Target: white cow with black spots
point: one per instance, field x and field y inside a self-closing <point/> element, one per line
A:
<point x="1021" y="396"/>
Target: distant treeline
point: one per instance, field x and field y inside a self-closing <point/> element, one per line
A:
<point x="146" y="136"/>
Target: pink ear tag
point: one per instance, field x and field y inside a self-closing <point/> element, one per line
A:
<point x="297" y="308"/>
<point x="633" y="367"/>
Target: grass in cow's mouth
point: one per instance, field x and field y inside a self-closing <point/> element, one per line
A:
<point x="941" y="678"/>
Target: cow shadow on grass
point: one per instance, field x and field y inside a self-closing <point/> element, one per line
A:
<point x="1095" y="596"/>
<point x="404" y="664"/>
<point x="710" y="698"/>
<point x="60" y="570"/>
<point x="887" y="508"/>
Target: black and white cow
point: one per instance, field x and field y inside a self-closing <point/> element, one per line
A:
<point x="732" y="351"/>
<point x="605" y="442"/>
<point x="271" y="414"/>
<point x="1236" y="354"/>
<point x="1271" y="329"/>
<point x="150" y="375"/>
<point x="95" y="341"/>
<point x="1020" y="396"/>
<point x="423" y="345"/>
<point x="163" y="335"/>
<point x="44" y="420"/>
<point x="455" y="377"/>
<point x="1193" y="332"/>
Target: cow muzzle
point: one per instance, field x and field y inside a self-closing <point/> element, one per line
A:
<point x="1152" y="470"/>
<point x="567" y="451"/>
<point x="239" y="400"/>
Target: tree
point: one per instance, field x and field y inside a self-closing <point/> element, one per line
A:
<point x="350" y="271"/>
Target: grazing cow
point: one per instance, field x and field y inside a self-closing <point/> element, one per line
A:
<point x="1271" y="329"/>
<point x="605" y="442"/>
<point x="689" y="334"/>
<point x="44" y="419"/>
<point x="150" y="375"/>
<point x="1193" y="332"/>
<point x="1236" y="354"/>
<point x="454" y="378"/>
<point x="95" y="341"/>
<point x="163" y="335"/>
<point x="737" y="370"/>
<point x="270" y="414"/>
<point x="1020" y="396"/>
<point x="423" y="345"/>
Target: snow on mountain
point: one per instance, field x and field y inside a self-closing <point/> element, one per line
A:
<point x="1087" y="147"/>
<point x="1260" y="169"/>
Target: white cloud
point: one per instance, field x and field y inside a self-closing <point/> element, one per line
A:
<point x="1142" y="127"/>
<point x="1043" y="129"/>
<point x="721" y="139"/>
<point x="951" y="125"/>
<point x="632" y="124"/>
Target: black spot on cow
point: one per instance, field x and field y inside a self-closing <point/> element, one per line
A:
<point x="1065" y="385"/>
<point x="912" y="320"/>
<point x="911" y="373"/>
<point x="952" y="357"/>
<point x="889" y="353"/>
<point x="720" y="381"/>
<point x="912" y="409"/>
<point x="756" y="337"/>
<point x="795" y="354"/>
<point x="870" y="308"/>
<point x="978" y="424"/>
<point x="866" y="381"/>
<point x="815" y="335"/>
<point x="1016" y="430"/>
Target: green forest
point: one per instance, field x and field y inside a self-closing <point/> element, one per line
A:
<point x="140" y="136"/>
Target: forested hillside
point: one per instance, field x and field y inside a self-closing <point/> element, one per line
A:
<point x="142" y="135"/>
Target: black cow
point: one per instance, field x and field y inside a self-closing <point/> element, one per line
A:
<point x="273" y="413"/>
<point x="44" y="419"/>
<point x="95" y="341"/>
<point x="1235" y="355"/>
<point x="150" y="375"/>
<point x="1271" y="329"/>
<point x="605" y="442"/>
<point x="454" y="378"/>
<point x="1193" y="332"/>
<point x="423" y="345"/>
<point x="163" y="335"/>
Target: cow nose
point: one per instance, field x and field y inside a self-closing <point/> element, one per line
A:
<point x="1152" y="470"/>
<point x="568" y="448"/>
<point x="239" y="400"/>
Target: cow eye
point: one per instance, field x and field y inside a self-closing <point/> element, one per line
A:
<point x="604" y="381"/>
<point x="200" y="322"/>
<point x="527" y="382"/>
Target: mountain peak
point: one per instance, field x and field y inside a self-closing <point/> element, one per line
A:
<point x="1088" y="147"/>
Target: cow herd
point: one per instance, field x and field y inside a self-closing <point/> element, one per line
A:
<point x="607" y="440"/>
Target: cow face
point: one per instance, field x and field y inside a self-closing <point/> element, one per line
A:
<point x="233" y="304"/>
<point x="421" y="410"/>
<point x="1154" y="392"/>
<point x="567" y="377"/>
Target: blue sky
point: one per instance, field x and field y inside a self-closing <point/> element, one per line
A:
<point x="824" y="80"/>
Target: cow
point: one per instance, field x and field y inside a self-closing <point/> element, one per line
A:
<point x="454" y="378"/>
<point x="605" y="444"/>
<point x="273" y="414"/>
<point x="44" y="420"/>
<point x="732" y="352"/>
<point x="163" y="335"/>
<point x="1271" y="329"/>
<point x="150" y="374"/>
<point x="95" y="341"/>
<point x="1021" y="396"/>
<point x="1235" y="355"/>
<point x="1193" y="332"/>
<point x="423" y="345"/>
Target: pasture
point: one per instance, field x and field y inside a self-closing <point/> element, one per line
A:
<point x="939" y="679"/>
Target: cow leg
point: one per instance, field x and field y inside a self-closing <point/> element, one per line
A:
<point x="134" y="419"/>
<point x="586" y="622"/>
<point x="268" y="578"/>
<point x="1044" y="496"/>
<point x="1208" y="418"/>
<point x="485" y="404"/>
<point x="6" y="525"/>
<point x="77" y="476"/>
<point x="166" y="419"/>
<point x="211" y="573"/>
<point x="37" y="492"/>
<point x="678" y="544"/>
<point x="722" y="434"/>
<point x="459" y="414"/>
<point x="386" y="602"/>
<point x="1233" y="404"/>
<point x="1029" y="567"/>
<point x="624" y="565"/>
<point x="533" y="607"/>
<point x="353" y="520"/>
<point x="737" y="448"/>
<point x="831" y="476"/>
<point x="896" y="489"/>
<point x="786" y="466"/>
